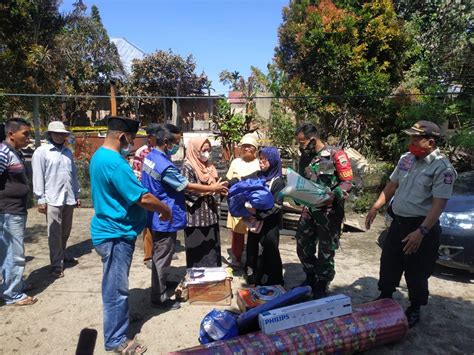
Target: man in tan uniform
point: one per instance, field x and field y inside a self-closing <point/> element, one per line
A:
<point x="420" y="185"/>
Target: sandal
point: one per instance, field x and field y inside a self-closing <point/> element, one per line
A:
<point x="58" y="273"/>
<point x="130" y="347"/>
<point x="27" y="301"/>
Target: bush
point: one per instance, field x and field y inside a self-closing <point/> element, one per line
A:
<point x="363" y="202"/>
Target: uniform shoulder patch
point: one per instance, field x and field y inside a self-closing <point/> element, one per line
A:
<point x="406" y="162"/>
<point x="448" y="177"/>
<point x="343" y="165"/>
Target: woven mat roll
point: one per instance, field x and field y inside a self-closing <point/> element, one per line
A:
<point x="370" y="325"/>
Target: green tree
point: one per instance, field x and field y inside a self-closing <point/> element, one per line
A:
<point x="162" y="73"/>
<point x="443" y="54"/>
<point x="90" y="61"/>
<point x="229" y="126"/>
<point x="28" y="51"/>
<point x="233" y="79"/>
<point x="342" y="56"/>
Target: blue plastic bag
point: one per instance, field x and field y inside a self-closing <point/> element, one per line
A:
<point x="253" y="191"/>
<point x="218" y="325"/>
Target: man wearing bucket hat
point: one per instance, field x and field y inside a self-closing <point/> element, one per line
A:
<point x="56" y="186"/>
<point x="420" y="185"/>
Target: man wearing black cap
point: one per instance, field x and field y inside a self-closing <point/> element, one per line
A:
<point x="420" y="185"/>
<point x="119" y="202"/>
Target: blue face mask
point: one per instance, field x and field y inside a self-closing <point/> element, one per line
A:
<point x="126" y="150"/>
<point x="174" y="149"/>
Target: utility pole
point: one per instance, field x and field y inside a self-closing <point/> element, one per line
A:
<point x="113" y="100"/>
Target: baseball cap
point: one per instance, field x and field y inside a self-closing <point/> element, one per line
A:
<point x="57" y="127"/>
<point x="424" y="128"/>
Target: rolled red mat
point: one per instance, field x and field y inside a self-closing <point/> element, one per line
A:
<point x="370" y="325"/>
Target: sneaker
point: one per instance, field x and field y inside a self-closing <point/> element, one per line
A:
<point x="148" y="264"/>
<point x="169" y="305"/>
<point x="413" y="316"/>
<point x="70" y="260"/>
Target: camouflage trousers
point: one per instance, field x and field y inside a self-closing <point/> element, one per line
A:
<point x="319" y="230"/>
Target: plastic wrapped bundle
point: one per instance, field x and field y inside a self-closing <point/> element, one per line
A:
<point x="370" y="325"/>
<point x="252" y="191"/>
<point x="303" y="191"/>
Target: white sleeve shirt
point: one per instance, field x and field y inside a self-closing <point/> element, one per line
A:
<point x="54" y="176"/>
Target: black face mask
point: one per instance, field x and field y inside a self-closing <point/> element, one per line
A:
<point x="309" y="149"/>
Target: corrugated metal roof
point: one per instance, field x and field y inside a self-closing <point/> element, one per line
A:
<point x="127" y="52"/>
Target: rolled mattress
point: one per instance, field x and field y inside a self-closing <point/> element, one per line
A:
<point x="370" y="325"/>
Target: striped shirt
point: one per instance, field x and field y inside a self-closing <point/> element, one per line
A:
<point x="13" y="181"/>
<point x="201" y="211"/>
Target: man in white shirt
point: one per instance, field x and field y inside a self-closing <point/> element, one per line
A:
<point x="56" y="186"/>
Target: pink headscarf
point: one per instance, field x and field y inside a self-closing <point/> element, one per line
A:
<point x="206" y="172"/>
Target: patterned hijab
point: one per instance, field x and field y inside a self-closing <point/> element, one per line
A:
<point x="206" y="172"/>
<point x="273" y="156"/>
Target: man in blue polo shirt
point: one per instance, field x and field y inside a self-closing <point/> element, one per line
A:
<point x="119" y="202"/>
<point x="161" y="177"/>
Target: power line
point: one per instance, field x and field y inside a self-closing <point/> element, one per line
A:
<point x="61" y="96"/>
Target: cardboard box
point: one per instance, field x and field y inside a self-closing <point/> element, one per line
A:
<point x="209" y="286"/>
<point x="247" y="298"/>
<point x="211" y="293"/>
<point x="304" y="313"/>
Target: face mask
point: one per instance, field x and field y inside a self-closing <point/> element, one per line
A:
<point x="174" y="149"/>
<point x="417" y="151"/>
<point x="204" y="156"/>
<point x="126" y="151"/>
<point x="309" y="149"/>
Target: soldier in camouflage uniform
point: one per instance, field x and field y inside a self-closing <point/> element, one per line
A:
<point x="320" y="228"/>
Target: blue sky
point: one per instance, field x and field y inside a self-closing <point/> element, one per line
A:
<point x="220" y="34"/>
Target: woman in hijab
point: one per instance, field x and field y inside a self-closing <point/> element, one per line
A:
<point x="202" y="239"/>
<point x="245" y="165"/>
<point x="264" y="266"/>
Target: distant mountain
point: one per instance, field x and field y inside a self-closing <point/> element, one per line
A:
<point x="127" y="52"/>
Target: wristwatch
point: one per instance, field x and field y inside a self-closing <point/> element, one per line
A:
<point x="424" y="230"/>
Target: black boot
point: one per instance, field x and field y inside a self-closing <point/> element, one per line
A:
<point x="310" y="280"/>
<point x="413" y="314"/>
<point x="383" y="295"/>
<point x="320" y="289"/>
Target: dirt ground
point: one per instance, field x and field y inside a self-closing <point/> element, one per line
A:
<point x="67" y="305"/>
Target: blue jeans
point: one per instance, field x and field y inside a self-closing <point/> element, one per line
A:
<point x="116" y="257"/>
<point x="12" y="257"/>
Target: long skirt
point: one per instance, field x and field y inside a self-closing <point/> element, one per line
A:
<point x="203" y="246"/>
<point x="264" y="265"/>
